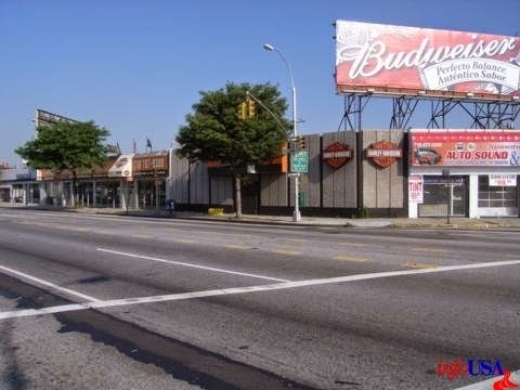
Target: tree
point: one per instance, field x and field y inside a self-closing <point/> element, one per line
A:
<point x="66" y="145"/>
<point x="222" y="128"/>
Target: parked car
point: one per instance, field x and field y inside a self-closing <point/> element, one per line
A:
<point x="427" y="156"/>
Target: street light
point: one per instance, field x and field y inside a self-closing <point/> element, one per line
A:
<point x="296" y="213"/>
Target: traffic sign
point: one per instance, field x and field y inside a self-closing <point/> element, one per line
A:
<point x="300" y="161"/>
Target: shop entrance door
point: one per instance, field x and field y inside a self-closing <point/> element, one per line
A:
<point x="444" y="196"/>
<point x="250" y="194"/>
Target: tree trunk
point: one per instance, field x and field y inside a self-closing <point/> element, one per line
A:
<point x="238" y="196"/>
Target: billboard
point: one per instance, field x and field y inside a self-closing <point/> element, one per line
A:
<point x="48" y="118"/>
<point x="468" y="148"/>
<point x="401" y="60"/>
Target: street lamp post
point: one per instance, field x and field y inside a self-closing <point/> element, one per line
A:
<point x="296" y="175"/>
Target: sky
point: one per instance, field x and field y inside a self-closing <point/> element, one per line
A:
<point x="136" y="67"/>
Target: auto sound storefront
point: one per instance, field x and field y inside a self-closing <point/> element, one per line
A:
<point x="467" y="173"/>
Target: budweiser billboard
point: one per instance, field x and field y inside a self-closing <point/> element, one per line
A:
<point x="405" y="60"/>
<point x="491" y="148"/>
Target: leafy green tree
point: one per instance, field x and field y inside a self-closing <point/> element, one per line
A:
<point x="219" y="130"/>
<point x="66" y="145"/>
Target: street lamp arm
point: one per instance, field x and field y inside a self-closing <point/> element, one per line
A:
<point x="269" y="111"/>
<point x="296" y="215"/>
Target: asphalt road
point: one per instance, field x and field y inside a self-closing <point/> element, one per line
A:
<point x="92" y="301"/>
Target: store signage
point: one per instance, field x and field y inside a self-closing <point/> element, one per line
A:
<point x="444" y="180"/>
<point x="491" y="148"/>
<point x="384" y="153"/>
<point x="150" y="164"/>
<point x="122" y="166"/>
<point x="415" y="188"/>
<point x="502" y="180"/>
<point x="337" y="154"/>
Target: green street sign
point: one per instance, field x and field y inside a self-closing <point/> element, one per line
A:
<point x="300" y="161"/>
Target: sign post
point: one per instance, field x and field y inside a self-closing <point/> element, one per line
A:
<point x="446" y="174"/>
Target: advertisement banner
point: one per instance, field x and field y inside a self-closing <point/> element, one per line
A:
<point x="465" y="148"/>
<point x="504" y="180"/>
<point x="415" y="188"/>
<point x="386" y="59"/>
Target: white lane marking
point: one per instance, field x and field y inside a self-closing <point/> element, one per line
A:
<point x="488" y="383"/>
<point x="24" y="277"/>
<point x="191" y="265"/>
<point x="243" y="290"/>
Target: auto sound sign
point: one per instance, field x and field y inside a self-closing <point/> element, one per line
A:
<point x="465" y="148"/>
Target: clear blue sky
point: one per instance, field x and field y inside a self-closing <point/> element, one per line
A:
<point x="136" y="67"/>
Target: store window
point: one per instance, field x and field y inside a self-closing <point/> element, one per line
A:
<point x="495" y="197"/>
<point x="443" y="196"/>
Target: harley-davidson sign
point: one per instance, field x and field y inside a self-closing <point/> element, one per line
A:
<point x="384" y="153"/>
<point x="389" y="58"/>
<point x="337" y="154"/>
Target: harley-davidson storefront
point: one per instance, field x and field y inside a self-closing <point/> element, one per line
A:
<point x="348" y="174"/>
<point x="467" y="173"/>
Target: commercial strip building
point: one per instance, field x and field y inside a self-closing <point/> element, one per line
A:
<point x="126" y="181"/>
<point x="380" y="173"/>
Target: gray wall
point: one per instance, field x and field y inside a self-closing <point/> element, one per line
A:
<point x="322" y="186"/>
<point x="273" y="189"/>
<point x="222" y="190"/>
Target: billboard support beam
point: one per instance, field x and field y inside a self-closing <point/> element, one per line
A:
<point x="403" y="109"/>
<point x="439" y="109"/>
<point x="354" y="104"/>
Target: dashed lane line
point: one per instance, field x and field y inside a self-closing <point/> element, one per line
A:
<point x="285" y="252"/>
<point x="237" y="247"/>
<point x="426" y="249"/>
<point x="350" y="258"/>
<point x="242" y="290"/>
<point x="414" y="264"/>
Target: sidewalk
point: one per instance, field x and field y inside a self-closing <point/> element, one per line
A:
<point x="510" y="223"/>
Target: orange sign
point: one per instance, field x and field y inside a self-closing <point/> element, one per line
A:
<point x="384" y="153"/>
<point x="337" y="154"/>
